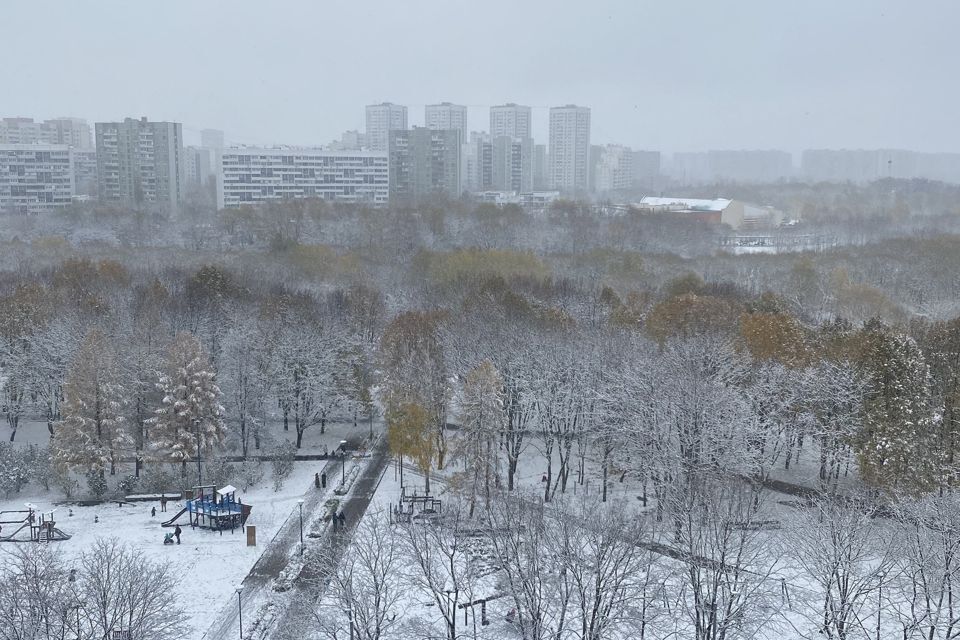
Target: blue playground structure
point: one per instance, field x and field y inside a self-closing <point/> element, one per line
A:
<point x="214" y="509"/>
<point x="30" y="526"/>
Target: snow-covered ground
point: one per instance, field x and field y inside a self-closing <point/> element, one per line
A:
<point x="210" y="566"/>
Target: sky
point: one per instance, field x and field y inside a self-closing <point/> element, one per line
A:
<point x="669" y="75"/>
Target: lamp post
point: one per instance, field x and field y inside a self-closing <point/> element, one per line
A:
<point x="300" y="504"/>
<point x="196" y="428"/>
<point x="240" y="609"/>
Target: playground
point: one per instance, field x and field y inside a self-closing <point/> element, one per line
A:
<point x="211" y="548"/>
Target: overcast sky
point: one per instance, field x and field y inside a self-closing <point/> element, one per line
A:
<point x="673" y="75"/>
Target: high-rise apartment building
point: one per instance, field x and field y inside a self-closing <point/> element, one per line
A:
<point x="614" y="169"/>
<point x="73" y="132"/>
<point x="646" y="168"/>
<point x="381" y="120"/>
<point x="447" y="116"/>
<point x="570" y="148"/>
<point x="84" y="172"/>
<point x="512" y="120"/>
<point x="512" y="164"/>
<point x="541" y="167"/>
<point x="35" y="178"/>
<point x="140" y="163"/>
<point x="252" y="175"/>
<point x="424" y="162"/>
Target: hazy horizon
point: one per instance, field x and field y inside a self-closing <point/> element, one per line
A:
<point x="683" y="77"/>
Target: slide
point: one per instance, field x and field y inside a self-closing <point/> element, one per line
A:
<point x="172" y="522"/>
<point x="12" y="536"/>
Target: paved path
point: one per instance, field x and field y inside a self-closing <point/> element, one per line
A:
<point x="275" y="556"/>
<point x="305" y="590"/>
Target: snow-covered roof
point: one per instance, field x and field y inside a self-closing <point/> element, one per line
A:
<point x="227" y="489"/>
<point x="691" y="204"/>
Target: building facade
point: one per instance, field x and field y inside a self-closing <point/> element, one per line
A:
<point x="512" y="120"/>
<point x="140" y="163"/>
<point x="614" y="169"/>
<point x="512" y="168"/>
<point x="35" y="178"/>
<point x="84" y="173"/>
<point x="446" y="116"/>
<point x="255" y="175"/>
<point x="424" y="163"/>
<point x="570" y="148"/>
<point x="73" y="132"/>
<point x="382" y="119"/>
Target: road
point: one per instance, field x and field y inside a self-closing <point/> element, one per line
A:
<point x="275" y="556"/>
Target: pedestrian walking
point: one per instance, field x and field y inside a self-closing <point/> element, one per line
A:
<point x="153" y="512"/>
<point x="163" y="503"/>
<point x="176" y="533"/>
<point x="316" y="480"/>
<point x="343" y="519"/>
<point x="323" y="480"/>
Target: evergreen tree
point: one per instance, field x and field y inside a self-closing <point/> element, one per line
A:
<point x="190" y="416"/>
<point x="482" y="419"/>
<point x="896" y="447"/>
<point x="92" y="432"/>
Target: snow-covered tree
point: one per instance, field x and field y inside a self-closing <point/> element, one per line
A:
<point x="92" y="433"/>
<point x="190" y="417"/>
<point x="896" y="447"/>
<point x="481" y="422"/>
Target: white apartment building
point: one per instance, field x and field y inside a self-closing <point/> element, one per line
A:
<point x="511" y="120"/>
<point x="447" y="116"/>
<point x="35" y="178"/>
<point x="251" y="175"/>
<point x="73" y="132"/>
<point x="381" y="120"/>
<point x="570" y="148"/>
<point x="614" y="169"/>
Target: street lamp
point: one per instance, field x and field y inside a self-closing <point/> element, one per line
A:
<point x="196" y="428"/>
<point x="240" y="609"/>
<point x="300" y="504"/>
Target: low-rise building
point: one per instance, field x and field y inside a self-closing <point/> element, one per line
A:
<point x="734" y="213"/>
<point x="250" y="175"/>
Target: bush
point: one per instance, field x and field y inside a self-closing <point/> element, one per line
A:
<point x="220" y="472"/>
<point x="128" y="485"/>
<point x="250" y="473"/>
<point x="158" y="480"/>
<point x="282" y="463"/>
<point x="14" y="469"/>
<point x="65" y="481"/>
<point x="97" y="484"/>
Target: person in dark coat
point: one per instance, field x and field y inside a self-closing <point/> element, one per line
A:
<point x="163" y="503"/>
<point x="153" y="512"/>
<point x="343" y="519"/>
<point x="323" y="480"/>
<point x="316" y="480"/>
<point x="176" y="533"/>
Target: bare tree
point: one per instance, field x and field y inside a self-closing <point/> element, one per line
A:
<point x="123" y="591"/>
<point x="365" y="587"/>
<point x="849" y="557"/>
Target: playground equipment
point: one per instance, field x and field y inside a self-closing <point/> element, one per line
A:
<point x="213" y="509"/>
<point x="34" y="526"/>
<point x="417" y="507"/>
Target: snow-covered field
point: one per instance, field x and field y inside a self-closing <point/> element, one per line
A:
<point x="210" y="565"/>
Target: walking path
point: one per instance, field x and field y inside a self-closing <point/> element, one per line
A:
<point x="275" y="556"/>
<point x="311" y="583"/>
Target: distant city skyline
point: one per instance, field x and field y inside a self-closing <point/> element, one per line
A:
<point x="679" y="76"/>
